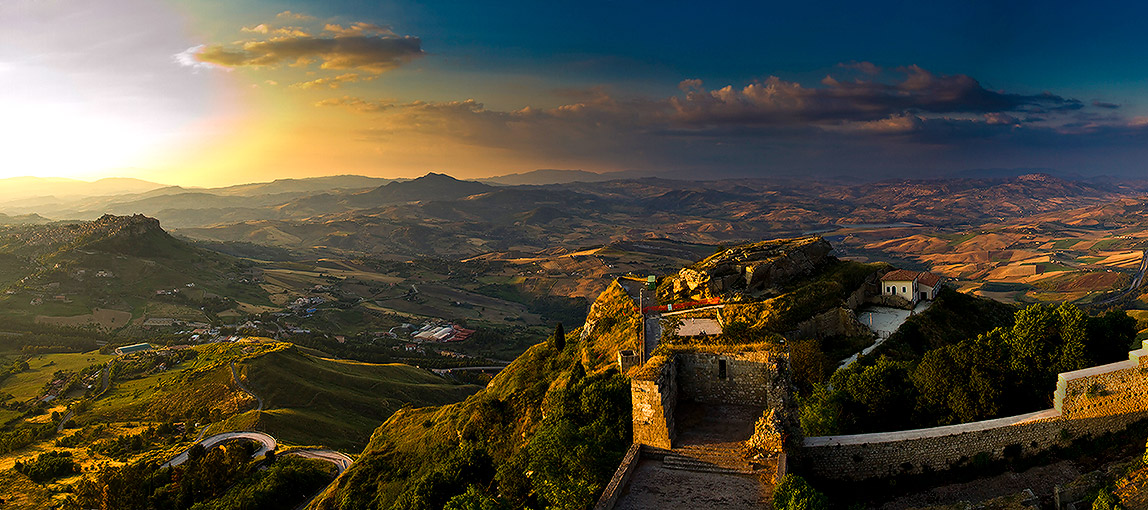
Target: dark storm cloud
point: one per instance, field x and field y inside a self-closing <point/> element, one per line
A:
<point x="920" y="118"/>
<point x="776" y="101"/>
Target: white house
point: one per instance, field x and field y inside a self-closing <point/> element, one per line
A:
<point x="911" y="286"/>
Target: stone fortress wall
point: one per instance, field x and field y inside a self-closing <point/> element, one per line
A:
<point x="1087" y="402"/>
<point x="757" y="378"/>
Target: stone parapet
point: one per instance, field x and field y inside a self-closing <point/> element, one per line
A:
<point x="1087" y="402"/>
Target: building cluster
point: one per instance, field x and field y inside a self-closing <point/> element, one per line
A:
<point x="439" y="333"/>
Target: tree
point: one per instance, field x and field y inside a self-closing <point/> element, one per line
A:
<point x="1105" y="500"/>
<point x="880" y="395"/>
<point x="559" y="337"/>
<point x="808" y="363"/>
<point x="1073" y="339"/>
<point x="820" y="413"/>
<point x="794" y="493"/>
<point x="474" y="499"/>
<point x="1110" y="337"/>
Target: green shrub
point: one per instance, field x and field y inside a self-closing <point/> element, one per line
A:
<point x="794" y="493"/>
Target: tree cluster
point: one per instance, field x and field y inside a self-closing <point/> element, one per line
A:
<point x="48" y="466"/>
<point x="220" y="478"/>
<point x="565" y="464"/>
<point x="1003" y="372"/>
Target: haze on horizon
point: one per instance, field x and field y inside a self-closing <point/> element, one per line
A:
<point x="209" y="94"/>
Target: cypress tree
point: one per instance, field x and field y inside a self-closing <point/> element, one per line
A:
<point x="559" y="337"/>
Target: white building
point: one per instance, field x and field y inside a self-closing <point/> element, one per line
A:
<point x="911" y="286"/>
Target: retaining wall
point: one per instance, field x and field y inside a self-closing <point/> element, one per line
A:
<point x="1092" y="401"/>
<point x="654" y="397"/>
<point x="621" y="478"/>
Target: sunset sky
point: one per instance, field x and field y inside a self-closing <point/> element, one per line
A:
<point x="223" y="92"/>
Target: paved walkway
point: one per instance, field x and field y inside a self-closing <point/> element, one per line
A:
<point x="883" y="321"/>
<point x="707" y="467"/>
<point x="653" y="486"/>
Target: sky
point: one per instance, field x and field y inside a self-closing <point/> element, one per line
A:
<point x="211" y="93"/>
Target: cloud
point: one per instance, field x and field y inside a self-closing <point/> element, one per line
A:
<point x="358" y="28"/>
<point x="294" y="16"/>
<point x="357" y="104"/>
<point x="189" y="58"/>
<point x="910" y="119"/>
<point x="374" y="53"/>
<point x="865" y="67"/>
<point x="258" y="29"/>
<point x="776" y="101"/>
<point x="1109" y="106"/>
<point x="332" y="82"/>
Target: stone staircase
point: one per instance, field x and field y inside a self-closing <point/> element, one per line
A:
<point x="723" y="458"/>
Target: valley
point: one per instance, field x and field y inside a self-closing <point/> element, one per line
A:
<point x="337" y="322"/>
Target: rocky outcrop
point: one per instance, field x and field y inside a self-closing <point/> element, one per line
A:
<point x="753" y="267"/>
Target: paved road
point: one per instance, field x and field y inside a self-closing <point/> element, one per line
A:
<point x="235" y="377"/>
<point x="60" y="427"/>
<point x="340" y="460"/>
<point x="643" y="297"/>
<point x="442" y="371"/>
<point x="1137" y="281"/>
<point x="653" y="333"/>
<point x="266" y="443"/>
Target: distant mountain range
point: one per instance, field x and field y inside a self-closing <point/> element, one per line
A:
<point x="548" y="176"/>
<point x="442" y="216"/>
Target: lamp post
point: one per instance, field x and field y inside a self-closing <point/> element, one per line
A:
<point x="641" y="330"/>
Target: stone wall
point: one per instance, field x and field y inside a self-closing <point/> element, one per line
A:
<point x="751" y="378"/>
<point x="838" y="321"/>
<point x="1089" y="402"/>
<point x="621" y="477"/>
<point x="654" y="397"/>
<point x="757" y="378"/>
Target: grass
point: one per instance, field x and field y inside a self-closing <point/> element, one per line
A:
<point x="1110" y="244"/>
<point x="1064" y="244"/>
<point x="21" y="492"/>
<point x="200" y="385"/>
<point x="310" y="400"/>
<point x="28" y="384"/>
<point x="166" y="396"/>
<point x="7" y="415"/>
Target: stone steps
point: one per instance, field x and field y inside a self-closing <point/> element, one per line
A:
<point x="724" y="458"/>
<point x="697" y="465"/>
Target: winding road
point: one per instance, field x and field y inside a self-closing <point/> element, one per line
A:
<point x="1137" y="281"/>
<point x="266" y="444"/>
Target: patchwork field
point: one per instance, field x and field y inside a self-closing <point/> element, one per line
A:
<point x="1018" y="261"/>
<point x="103" y="318"/>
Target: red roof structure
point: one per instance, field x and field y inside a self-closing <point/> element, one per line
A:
<point x="928" y="279"/>
<point x="900" y="275"/>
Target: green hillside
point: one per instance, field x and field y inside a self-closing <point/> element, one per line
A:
<point x="310" y="400"/>
<point x="61" y="273"/>
<point x="561" y="414"/>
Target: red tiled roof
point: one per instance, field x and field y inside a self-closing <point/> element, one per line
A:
<point x="928" y="279"/>
<point x="900" y="275"/>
